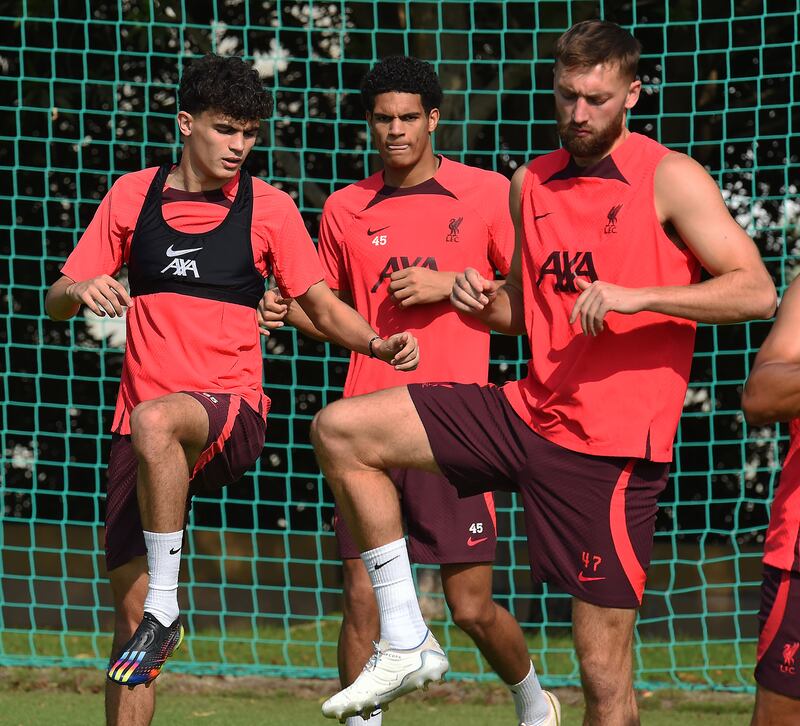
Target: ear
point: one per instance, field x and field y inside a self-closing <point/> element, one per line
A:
<point x="185" y="122"/>
<point x="433" y="120"/>
<point x="633" y="94"/>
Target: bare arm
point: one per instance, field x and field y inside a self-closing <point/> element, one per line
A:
<point x="274" y="311"/>
<point x="339" y="323"/>
<point x="772" y="392"/>
<point x="103" y="295"/>
<point x="497" y="303"/>
<point x="688" y="199"/>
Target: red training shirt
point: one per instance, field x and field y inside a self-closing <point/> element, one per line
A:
<point x="459" y="218"/>
<point x="179" y="342"/>
<point x="620" y="393"/>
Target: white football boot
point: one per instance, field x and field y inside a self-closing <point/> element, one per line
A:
<point x="389" y="674"/>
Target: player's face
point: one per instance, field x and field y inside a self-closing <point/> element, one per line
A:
<point x="401" y="130"/>
<point x="217" y="144"/>
<point x="591" y="104"/>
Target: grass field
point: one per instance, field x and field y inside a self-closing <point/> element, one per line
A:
<point x="70" y="696"/>
<point x="310" y="649"/>
<point x="51" y="697"/>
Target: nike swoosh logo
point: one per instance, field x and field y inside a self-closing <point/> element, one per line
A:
<point x="383" y="564"/>
<point x="176" y="253"/>
<point x="175" y="552"/>
<point x="472" y="542"/>
<point x="380" y="229"/>
<point x="583" y="578"/>
<point x="541" y="216"/>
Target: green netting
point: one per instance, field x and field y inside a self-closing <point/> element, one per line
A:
<point x="87" y="94"/>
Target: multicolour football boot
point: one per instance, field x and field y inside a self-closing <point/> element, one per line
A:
<point x="145" y="653"/>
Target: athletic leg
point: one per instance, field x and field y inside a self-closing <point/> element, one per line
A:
<point x="360" y="623"/>
<point x="168" y="434"/>
<point x="126" y="706"/>
<point x="604" y="644"/>
<point x="360" y="627"/>
<point x="356" y="441"/>
<point x="468" y="591"/>
<point x="774" y="709"/>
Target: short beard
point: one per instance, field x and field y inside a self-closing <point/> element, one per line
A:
<point x="594" y="145"/>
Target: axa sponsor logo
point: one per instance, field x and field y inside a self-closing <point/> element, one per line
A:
<point x="564" y="267"/>
<point x="454" y="224"/>
<point x="180" y="266"/>
<point x="395" y="264"/>
<point x="611" y="224"/>
<point x="789" y="653"/>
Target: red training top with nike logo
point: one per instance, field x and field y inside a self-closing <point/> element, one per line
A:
<point x="620" y="393"/>
<point x="457" y="219"/>
<point x="180" y="341"/>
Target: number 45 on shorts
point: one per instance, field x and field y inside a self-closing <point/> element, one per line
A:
<point x="477" y="536"/>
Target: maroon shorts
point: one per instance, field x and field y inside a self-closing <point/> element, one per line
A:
<point x="235" y="441"/>
<point x="442" y="528"/>
<point x="778" y="656"/>
<point x="589" y="519"/>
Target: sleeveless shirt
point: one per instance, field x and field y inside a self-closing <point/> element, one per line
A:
<point x="619" y="393"/>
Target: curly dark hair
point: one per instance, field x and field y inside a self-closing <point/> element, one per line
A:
<point x="403" y="74"/>
<point x="225" y="84"/>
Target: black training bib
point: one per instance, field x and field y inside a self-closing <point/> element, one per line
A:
<point x="216" y="265"/>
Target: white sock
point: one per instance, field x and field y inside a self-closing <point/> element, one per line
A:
<point x="375" y="720"/>
<point x="530" y="702"/>
<point x="390" y="571"/>
<point x="163" y="564"/>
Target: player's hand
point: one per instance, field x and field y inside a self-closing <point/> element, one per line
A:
<point x="399" y="350"/>
<point x="599" y="298"/>
<point x="271" y="311"/>
<point x="103" y="295"/>
<point x="472" y="292"/>
<point x="419" y="286"/>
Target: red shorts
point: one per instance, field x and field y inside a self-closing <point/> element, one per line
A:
<point x="778" y="656"/>
<point x="235" y="440"/>
<point x="589" y="519"/>
<point x="442" y="528"/>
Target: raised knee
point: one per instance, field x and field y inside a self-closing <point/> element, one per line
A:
<point x="150" y="426"/>
<point x="327" y="428"/>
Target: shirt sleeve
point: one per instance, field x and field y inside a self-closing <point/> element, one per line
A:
<point x="330" y="249"/>
<point x="293" y="257"/>
<point x="501" y="229"/>
<point x="103" y="247"/>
